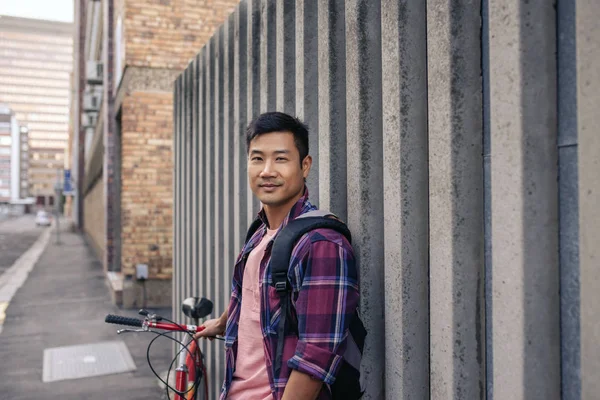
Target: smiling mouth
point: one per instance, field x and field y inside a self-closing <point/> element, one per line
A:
<point x="269" y="186"/>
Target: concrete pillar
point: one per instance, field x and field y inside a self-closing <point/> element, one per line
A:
<point x="332" y="106"/>
<point x="456" y="200"/>
<point x="176" y="282"/>
<point x="209" y="217"/>
<point x="240" y="112"/>
<point x="524" y="194"/>
<point x="229" y="148"/>
<point x="406" y="199"/>
<point x="307" y="84"/>
<point x="268" y="57"/>
<point x="255" y="96"/>
<point x="588" y="101"/>
<point x="221" y="201"/>
<point x="187" y="187"/>
<point x="568" y="201"/>
<point x="364" y="169"/>
<point x="285" y="60"/>
<point x="203" y="178"/>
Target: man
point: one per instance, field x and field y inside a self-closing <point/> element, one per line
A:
<point x="322" y="275"/>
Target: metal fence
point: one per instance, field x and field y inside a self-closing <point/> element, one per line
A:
<point x="433" y="127"/>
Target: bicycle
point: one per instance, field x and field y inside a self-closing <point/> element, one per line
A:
<point x="190" y="369"/>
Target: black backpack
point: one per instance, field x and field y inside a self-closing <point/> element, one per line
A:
<point x="347" y="383"/>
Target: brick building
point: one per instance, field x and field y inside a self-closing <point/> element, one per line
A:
<point x="128" y="54"/>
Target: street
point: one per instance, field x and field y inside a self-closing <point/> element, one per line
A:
<point x="16" y="236"/>
<point x="59" y="300"/>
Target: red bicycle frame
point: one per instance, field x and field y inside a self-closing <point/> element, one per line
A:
<point x="190" y="357"/>
<point x="190" y="361"/>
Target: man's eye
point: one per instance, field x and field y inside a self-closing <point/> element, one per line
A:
<point x="281" y="159"/>
<point x="256" y="159"/>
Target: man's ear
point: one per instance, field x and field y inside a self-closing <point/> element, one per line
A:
<point x="306" y="164"/>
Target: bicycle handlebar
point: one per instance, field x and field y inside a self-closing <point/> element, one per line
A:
<point x="119" y="320"/>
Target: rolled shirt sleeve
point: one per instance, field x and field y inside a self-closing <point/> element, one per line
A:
<point x="327" y="298"/>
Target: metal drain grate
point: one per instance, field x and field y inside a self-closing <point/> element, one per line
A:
<point x="74" y="362"/>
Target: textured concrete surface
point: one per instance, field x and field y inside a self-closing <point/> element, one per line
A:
<point x="456" y="200"/>
<point x="568" y="201"/>
<point x="406" y="199"/>
<point x="365" y="168"/>
<point x="524" y="201"/>
<point x="588" y="120"/>
<point x="392" y="91"/>
<point x="332" y="108"/>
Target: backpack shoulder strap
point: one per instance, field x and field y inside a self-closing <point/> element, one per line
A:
<point x="294" y="230"/>
<point x="253" y="228"/>
<point x="280" y="261"/>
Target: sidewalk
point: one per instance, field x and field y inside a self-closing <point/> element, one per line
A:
<point x="63" y="302"/>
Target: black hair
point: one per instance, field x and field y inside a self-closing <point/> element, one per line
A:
<point x="279" y="122"/>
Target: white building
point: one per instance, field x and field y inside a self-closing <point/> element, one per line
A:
<point x="14" y="158"/>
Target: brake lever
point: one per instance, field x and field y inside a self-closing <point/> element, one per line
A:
<point x="130" y="330"/>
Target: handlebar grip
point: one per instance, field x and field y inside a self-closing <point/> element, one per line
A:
<point x="119" y="320"/>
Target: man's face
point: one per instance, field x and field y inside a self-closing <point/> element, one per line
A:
<point x="274" y="171"/>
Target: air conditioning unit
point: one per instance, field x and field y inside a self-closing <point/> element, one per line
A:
<point x="94" y="72"/>
<point x="89" y="119"/>
<point x="91" y="101"/>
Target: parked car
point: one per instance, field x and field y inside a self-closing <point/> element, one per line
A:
<point x="42" y="218"/>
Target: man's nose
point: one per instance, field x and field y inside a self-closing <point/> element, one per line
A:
<point x="268" y="169"/>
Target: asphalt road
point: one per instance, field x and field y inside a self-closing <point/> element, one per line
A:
<point x="16" y="236"/>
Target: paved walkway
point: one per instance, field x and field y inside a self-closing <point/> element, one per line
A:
<point x="63" y="302"/>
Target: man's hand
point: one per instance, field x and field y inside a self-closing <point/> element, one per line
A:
<point x="213" y="327"/>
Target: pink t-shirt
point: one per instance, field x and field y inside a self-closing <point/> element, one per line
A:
<point x="250" y="379"/>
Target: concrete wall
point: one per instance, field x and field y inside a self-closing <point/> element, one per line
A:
<point x="588" y="100"/>
<point x="435" y="132"/>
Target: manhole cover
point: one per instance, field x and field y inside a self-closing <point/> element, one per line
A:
<point x="74" y="362"/>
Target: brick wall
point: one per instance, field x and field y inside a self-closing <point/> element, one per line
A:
<point x="93" y="218"/>
<point x="147" y="193"/>
<point x="168" y="33"/>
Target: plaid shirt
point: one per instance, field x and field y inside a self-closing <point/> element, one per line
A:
<point x="324" y="282"/>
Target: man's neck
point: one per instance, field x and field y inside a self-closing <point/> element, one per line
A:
<point x="276" y="214"/>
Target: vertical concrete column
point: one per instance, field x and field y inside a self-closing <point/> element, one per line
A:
<point x="525" y="304"/>
<point x="175" y="281"/>
<point x="194" y="267"/>
<point x="268" y="56"/>
<point x="285" y="60"/>
<point x="209" y="154"/>
<point x="254" y="79"/>
<point x="588" y="102"/>
<point x="187" y="169"/>
<point x="365" y="168"/>
<point x="221" y="202"/>
<point x="204" y="180"/>
<point x="229" y="231"/>
<point x="240" y="112"/>
<point x="456" y="200"/>
<point x="570" y="345"/>
<point x="200" y="176"/>
<point x="331" y="45"/>
<point x="306" y="89"/>
<point x="406" y="196"/>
